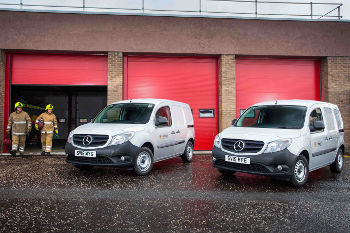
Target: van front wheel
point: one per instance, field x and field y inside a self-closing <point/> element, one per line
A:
<point x="144" y="161"/>
<point x="300" y="172"/>
<point x="188" y="154"/>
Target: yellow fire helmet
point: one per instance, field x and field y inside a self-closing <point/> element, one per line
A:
<point x="18" y="105"/>
<point x="49" y="106"/>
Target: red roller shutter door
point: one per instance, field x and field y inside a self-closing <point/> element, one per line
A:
<point x="263" y="79"/>
<point x="51" y="69"/>
<point x="54" y="69"/>
<point x="191" y="80"/>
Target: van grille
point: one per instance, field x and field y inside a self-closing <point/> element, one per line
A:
<point x="97" y="160"/>
<point x="249" y="145"/>
<point x="254" y="167"/>
<point x="96" y="140"/>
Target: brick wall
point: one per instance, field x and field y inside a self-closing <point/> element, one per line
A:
<point x="336" y="88"/>
<point x="115" y="77"/>
<point x="2" y="95"/>
<point x="227" y="90"/>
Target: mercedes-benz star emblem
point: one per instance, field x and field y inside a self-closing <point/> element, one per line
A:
<point x="239" y="145"/>
<point x="87" y="140"/>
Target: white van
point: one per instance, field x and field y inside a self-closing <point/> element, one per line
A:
<point x="284" y="138"/>
<point x="133" y="133"/>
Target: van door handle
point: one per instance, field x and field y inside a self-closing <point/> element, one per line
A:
<point x="178" y="131"/>
<point x="172" y="132"/>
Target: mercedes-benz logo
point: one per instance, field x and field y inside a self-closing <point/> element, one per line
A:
<point x="239" y="145"/>
<point x="87" y="140"/>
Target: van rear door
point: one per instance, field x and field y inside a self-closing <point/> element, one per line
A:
<point x="180" y="129"/>
<point x="332" y="133"/>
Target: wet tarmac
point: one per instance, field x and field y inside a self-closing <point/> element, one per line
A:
<point x="44" y="194"/>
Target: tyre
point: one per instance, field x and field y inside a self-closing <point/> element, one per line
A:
<point x="188" y="154"/>
<point x="338" y="163"/>
<point x="300" y="172"/>
<point x="83" y="167"/>
<point x="144" y="161"/>
<point x="226" y="172"/>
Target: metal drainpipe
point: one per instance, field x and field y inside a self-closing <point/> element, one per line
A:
<point x="311" y="13"/>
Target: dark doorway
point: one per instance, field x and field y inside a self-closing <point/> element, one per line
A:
<point x="73" y="106"/>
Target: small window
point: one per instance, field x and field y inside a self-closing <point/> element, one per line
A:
<point x="164" y="113"/>
<point x="329" y="117"/>
<point x="338" y="118"/>
<point x="316" y="115"/>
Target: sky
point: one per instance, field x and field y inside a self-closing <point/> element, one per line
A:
<point x="192" y="6"/>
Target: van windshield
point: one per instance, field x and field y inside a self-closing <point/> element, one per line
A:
<point x="273" y="116"/>
<point x="125" y="113"/>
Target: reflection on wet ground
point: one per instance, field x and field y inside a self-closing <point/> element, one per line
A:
<point x="46" y="194"/>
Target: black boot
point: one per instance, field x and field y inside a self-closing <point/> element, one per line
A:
<point x="43" y="153"/>
<point x="47" y="154"/>
<point x="13" y="153"/>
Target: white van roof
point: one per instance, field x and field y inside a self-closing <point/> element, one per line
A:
<point x="148" y="101"/>
<point x="307" y="103"/>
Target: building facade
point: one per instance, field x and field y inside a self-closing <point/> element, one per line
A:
<point x="219" y="66"/>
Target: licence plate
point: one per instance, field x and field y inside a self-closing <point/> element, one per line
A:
<point x="90" y="154"/>
<point x="236" y="159"/>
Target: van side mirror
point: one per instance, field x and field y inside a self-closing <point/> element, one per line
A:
<point x="161" y="121"/>
<point x="318" y="125"/>
<point x="234" y="121"/>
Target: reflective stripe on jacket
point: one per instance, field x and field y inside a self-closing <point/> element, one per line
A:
<point x="50" y="122"/>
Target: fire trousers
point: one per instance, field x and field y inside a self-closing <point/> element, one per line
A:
<point x="46" y="141"/>
<point x="18" y="142"/>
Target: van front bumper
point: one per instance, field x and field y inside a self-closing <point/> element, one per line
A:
<point x="109" y="156"/>
<point x="263" y="164"/>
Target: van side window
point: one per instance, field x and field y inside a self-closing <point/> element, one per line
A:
<point x="329" y="118"/>
<point x="338" y="118"/>
<point x="316" y="115"/>
<point x="252" y="119"/>
<point x="164" y="112"/>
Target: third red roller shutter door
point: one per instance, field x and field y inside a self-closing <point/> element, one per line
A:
<point x="191" y="80"/>
<point x="263" y="79"/>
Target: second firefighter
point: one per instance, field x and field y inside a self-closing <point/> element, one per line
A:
<point x="48" y="129"/>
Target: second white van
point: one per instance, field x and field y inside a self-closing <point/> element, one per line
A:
<point x="285" y="138"/>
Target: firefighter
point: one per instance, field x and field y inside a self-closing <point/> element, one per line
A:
<point x="20" y="125"/>
<point x="49" y="128"/>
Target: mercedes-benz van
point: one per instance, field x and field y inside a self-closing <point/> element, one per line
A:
<point x="135" y="134"/>
<point x="284" y="138"/>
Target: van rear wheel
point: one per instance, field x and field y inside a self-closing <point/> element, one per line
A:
<point x="188" y="154"/>
<point x="300" y="172"/>
<point x="144" y="161"/>
<point x="338" y="163"/>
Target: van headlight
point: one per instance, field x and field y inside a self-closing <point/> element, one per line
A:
<point x="277" y="145"/>
<point x="217" y="141"/>
<point x="121" y="138"/>
<point x="70" y="137"/>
